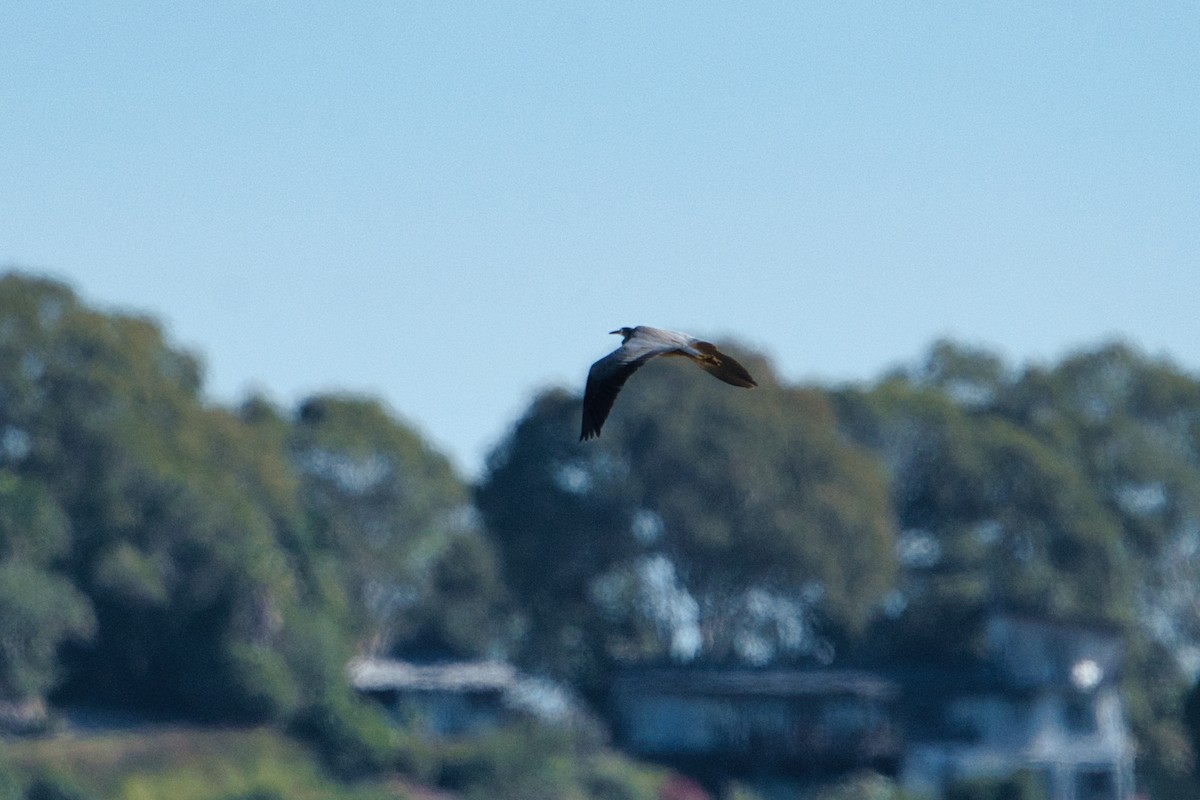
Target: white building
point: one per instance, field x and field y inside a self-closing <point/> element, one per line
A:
<point x="1042" y="705"/>
<point x="1046" y="703"/>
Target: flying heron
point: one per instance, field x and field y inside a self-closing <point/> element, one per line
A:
<point x="639" y="345"/>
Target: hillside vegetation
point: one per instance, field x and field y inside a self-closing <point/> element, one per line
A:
<point x="166" y="556"/>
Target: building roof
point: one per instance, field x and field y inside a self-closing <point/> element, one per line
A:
<point x="377" y="674"/>
<point x="756" y="682"/>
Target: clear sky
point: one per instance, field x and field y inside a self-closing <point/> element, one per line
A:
<point x="449" y="205"/>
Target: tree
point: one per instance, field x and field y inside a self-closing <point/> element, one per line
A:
<point x="174" y="522"/>
<point x="1131" y="424"/>
<point x="39" y="608"/>
<point x="990" y="513"/>
<point x="39" y="611"/>
<point x="1072" y="489"/>
<point x="396" y="517"/>
<point x="705" y="522"/>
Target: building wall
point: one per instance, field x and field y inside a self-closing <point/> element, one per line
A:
<point x="810" y="732"/>
<point x="1077" y="741"/>
<point x="1074" y="740"/>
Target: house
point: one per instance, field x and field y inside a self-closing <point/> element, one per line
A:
<point x="457" y="698"/>
<point x="757" y="721"/>
<point x="1043" y="701"/>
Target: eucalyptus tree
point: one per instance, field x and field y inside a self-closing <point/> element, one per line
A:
<point x="704" y="524"/>
<point x="170" y="526"/>
<point x="989" y="515"/>
<point x="398" y="519"/>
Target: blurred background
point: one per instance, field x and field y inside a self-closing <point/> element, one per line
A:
<point x="297" y="306"/>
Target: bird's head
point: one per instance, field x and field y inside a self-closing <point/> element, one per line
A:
<point x="625" y="333"/>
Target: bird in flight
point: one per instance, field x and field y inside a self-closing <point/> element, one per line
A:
<point x="639" y="345"/>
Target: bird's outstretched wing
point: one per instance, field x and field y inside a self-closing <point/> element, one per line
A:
<point x="640" y="344"/>
<point x="604" y="382"/>
<point x="722" y="366"/>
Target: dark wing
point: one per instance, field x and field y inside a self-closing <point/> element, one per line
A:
<point x="604" y="382"/>
<point x="722" y="366"/>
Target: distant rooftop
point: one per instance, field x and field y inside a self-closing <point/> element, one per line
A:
<point x="516" y="691"/>
<point x="760" y="682"/>
<point x="374" y="675"/>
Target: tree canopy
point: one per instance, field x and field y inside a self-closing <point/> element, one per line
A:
<point x="420" y="575"/>
<point x="162" y="552"/>
<point x="1070" y="489"/>
<point x="705" y="522"/>
<point x="990" y="515"/>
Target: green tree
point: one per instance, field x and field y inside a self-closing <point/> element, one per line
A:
<point x="1131" y="425"/>
<point x="1071" y="488"/>
<point x="464" y="612"/>
<point x="177" y="521"/>
<point x="988" y="515"/>
<point x="396" y="517"/>
<point x="704" y="522"/>
<point x="40" y="609"/>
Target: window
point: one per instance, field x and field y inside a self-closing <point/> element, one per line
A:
<point x="1095" y="783"/>
<point x="1079" y="714"/>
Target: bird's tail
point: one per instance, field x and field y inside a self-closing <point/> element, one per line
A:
<point x="722" y="366"/>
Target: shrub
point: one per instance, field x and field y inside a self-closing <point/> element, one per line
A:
<point x="522" y="762"/>
<point x="1023" y="785"/>
<point x="863" y="786"/>
<point x="257" y="794"/>
<point x="48" y="787"/>
<point x="10" y="786"/>
<point x="350" y="736"/>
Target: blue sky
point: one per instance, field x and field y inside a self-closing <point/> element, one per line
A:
<point x="449" y="205"/>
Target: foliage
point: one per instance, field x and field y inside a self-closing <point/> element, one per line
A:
<point x="865" y="786"/>
<point x="704" y="522"/>
<point x="605" y="776"/>
<point x="163" y="554"/>
<point x="257" y="794"/>
<point x="160" y="553"/>
<point x="1071" y="489"/>
<point x="506" y="766"/>
<point x="1024" y="785"/>
<point x="1131" y="426"/>
<point x="1191" y="715"/>
<point x="989" y="515"/>
<point x="52" y="788"/>
<point x="525" y="761"/>
<point x="532" y="762"/>
<point x="10" y="782"/>
<point x="395" y="516"/>
<point x="187" y="764"/>
<point x="174" y="514"/>
<point x="464" y="610"/>
<point x="39" y="610"/>
<point x="351" y="737"/>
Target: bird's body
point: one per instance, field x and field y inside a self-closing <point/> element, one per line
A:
<point x="639" y="345"/>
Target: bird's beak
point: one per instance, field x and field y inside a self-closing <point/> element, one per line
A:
<point x="618" y="330"/>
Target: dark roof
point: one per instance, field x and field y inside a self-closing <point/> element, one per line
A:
<point x="773" y="682"/>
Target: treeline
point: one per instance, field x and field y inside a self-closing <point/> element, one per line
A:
<point x="163" y="554"/>
<point x="167" y="556"/>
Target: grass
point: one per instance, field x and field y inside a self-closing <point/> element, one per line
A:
<point x="521" y="762"/>
<point x="187" y="763"/>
